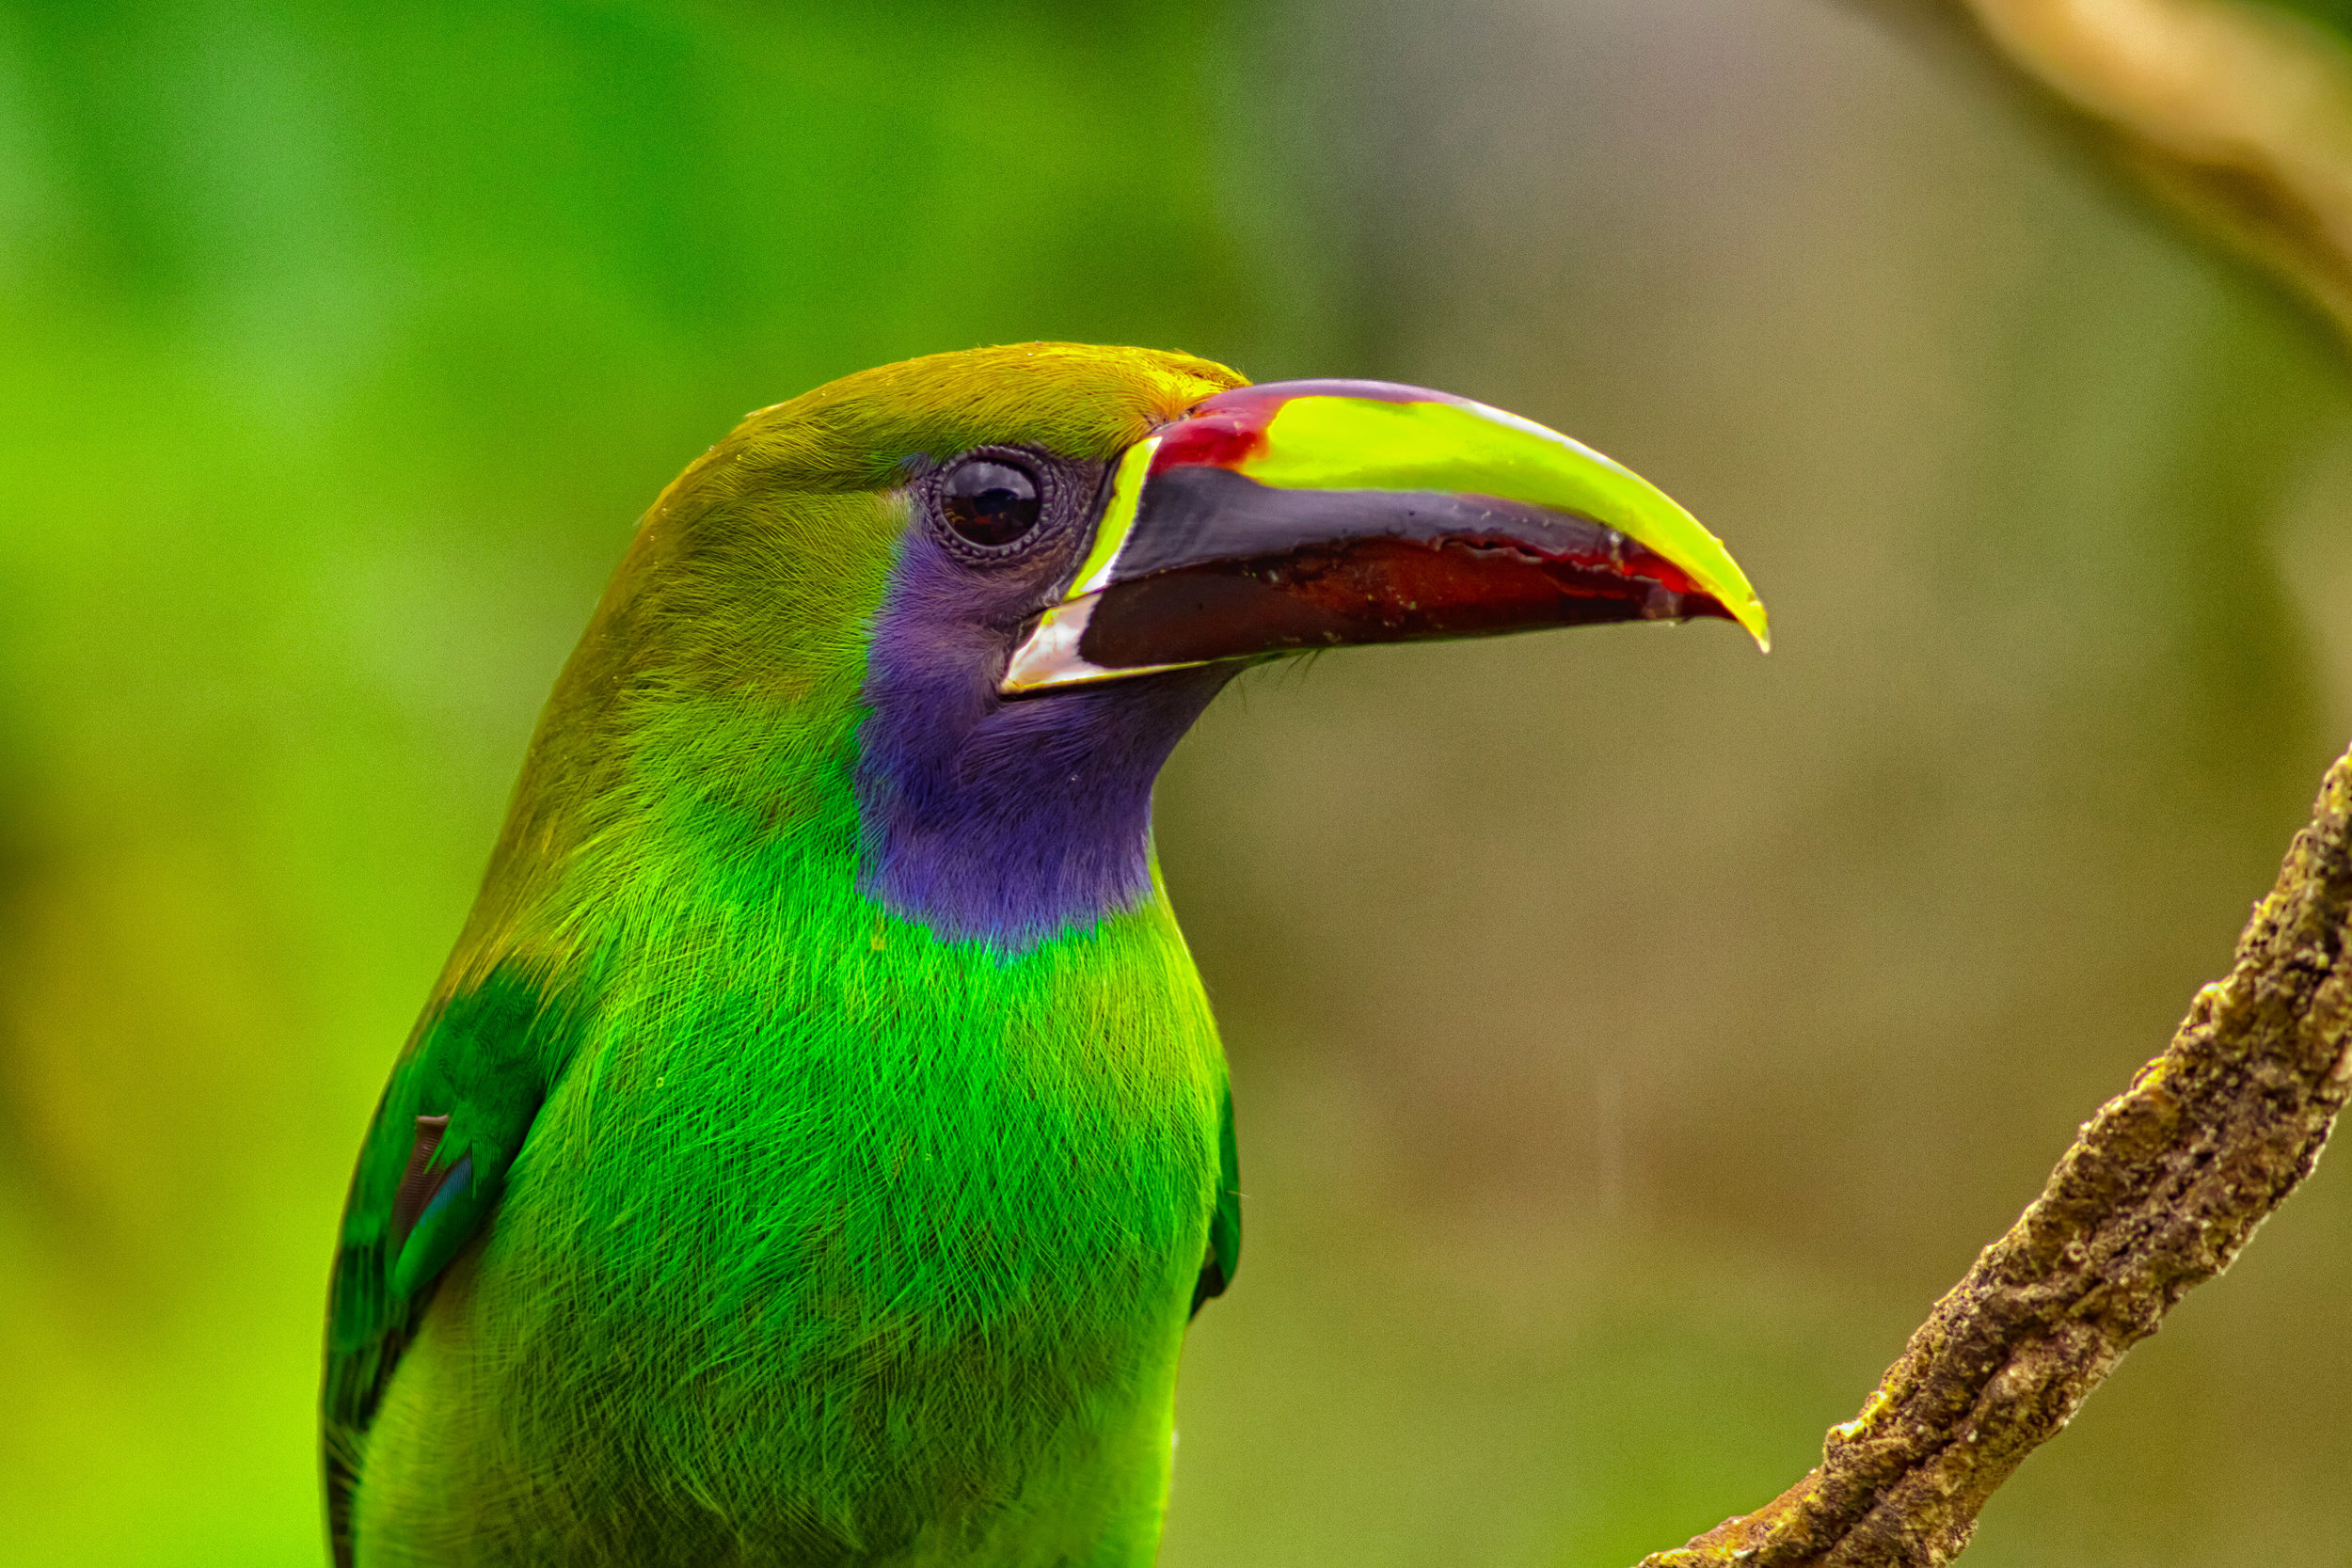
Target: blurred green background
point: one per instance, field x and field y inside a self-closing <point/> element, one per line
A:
<point x="1632" y="1035"/>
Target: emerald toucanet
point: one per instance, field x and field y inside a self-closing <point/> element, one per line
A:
<point x="818" y="1139"/>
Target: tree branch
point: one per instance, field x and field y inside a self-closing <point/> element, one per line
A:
<point x="2156" y="1195"/>
<point x="2240" y="114"/>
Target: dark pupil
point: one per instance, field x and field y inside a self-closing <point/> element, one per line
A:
<point x="991" y="503"/>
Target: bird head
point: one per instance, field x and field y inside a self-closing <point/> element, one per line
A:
<point x="924" y="634"/>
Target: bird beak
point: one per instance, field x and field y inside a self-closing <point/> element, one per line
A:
<point x="1304" y="514"/>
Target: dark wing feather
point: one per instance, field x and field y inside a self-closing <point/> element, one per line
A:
<point x="453" y="1117"/>
<point x="1224" y="1259"/>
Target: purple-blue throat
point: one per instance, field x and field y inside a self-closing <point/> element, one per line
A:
<point x="1007" y="821"/>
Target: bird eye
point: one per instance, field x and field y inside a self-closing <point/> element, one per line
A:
<point x="989" y="503"/>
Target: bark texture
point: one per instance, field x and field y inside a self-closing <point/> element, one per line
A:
<point x="2157" y="1194"/>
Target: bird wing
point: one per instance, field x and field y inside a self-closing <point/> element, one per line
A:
<point x="1224" y="1259"/>
<point x="453" y="1115"/>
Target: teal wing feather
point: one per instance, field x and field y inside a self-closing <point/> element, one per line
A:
<point x="451" y="1120"/>
<point x="1224" y="1259"/>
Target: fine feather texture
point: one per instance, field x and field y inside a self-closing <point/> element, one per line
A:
<point x="800" y="1226"/>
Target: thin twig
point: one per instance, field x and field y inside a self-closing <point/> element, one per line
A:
<point x="2156" y="1195"/>
<point x="2241" y="115"/>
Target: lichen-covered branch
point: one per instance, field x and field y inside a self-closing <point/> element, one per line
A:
<point x="2156" y="1195"/>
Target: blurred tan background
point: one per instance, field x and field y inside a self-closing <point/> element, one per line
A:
<point x="1632" y="1035"/>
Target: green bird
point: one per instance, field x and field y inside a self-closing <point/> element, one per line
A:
<point x="818" y="1139"/>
